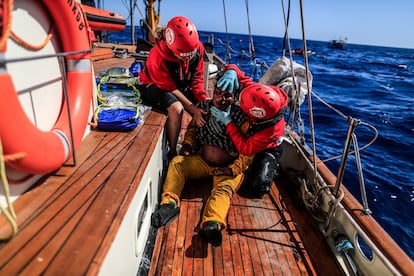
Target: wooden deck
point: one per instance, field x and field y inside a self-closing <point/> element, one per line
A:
<point x="68" y="222"/>
<point x="262" y="238"/>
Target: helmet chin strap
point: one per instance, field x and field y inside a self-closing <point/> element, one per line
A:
<point x="185" y="64"/>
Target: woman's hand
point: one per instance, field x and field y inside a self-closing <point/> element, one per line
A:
<point x="198" y="115"/>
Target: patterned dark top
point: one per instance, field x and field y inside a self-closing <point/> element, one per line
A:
<point x="214" y="133"/>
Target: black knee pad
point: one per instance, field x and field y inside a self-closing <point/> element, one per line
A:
<point x="263" y="171"/>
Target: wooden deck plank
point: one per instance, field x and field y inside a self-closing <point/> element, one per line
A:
<point x="259" y="226"/>
<point x="253" y="252"/>
<point x="234" y="244"/>
<point x="190" y="210"/>
<point x="245" y="249"/>
<point x="226" y="249"/>
<point x="38" y="265"/>
<point x="179" y="260"/>
<point x="290" y="239"/>
<point x="208" y="260"/>
<point x="278" y="235"/>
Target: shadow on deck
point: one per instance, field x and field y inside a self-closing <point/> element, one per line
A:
<point x="261" y="239"/>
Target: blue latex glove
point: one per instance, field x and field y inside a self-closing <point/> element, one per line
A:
<point x="221" y="116"/>
<point x="228" y="81"/>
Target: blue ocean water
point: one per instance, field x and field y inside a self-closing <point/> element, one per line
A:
<point x="370" y="83"/>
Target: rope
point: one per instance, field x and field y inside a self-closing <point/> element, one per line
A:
<point x="311" y="201"/>
<point x="227" y="36"/>
<point x="29" y="46"/>
<point x="7" y="16"/>
<point x="253" y="62"/>
<point x="9" y="33"/>
<point x="251" y="45"/>
<point x="14" y="157"/>
<point x="287" y="20"/>
<point x="8" y="213"/>
<point x="295" y="111"/>
<point x="310" y="107"/>
<point x="94" y="122"/>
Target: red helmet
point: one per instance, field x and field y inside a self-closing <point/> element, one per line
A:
<point x="181" y="36"/>
<point x="259" y="101"/>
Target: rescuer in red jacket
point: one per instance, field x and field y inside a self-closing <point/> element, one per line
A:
<point x="173" y="77"/>
<point x="265" y="106"/>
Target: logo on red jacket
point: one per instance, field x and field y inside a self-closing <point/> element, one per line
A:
<point x="169" y="36"/>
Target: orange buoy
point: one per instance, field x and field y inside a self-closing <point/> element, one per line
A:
<point x="46" y="151"/>
<point x="103" y="20"/>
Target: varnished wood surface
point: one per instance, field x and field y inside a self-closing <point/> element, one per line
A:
<point x="104" y="65"/>
<point x="68" y="221"/>
<point x="262" y="238"/>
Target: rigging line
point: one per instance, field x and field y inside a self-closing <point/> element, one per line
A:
<point x="251" y="45"/>
<point x="227" y="35"/>
<point x="345" y="117"/>
<point x="228" y="46"/>
<point x="285" y="37"/>
<point x="296" y="110"/>
<point x="310" y="107"/>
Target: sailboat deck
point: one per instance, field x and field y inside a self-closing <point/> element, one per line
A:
<point x="68" y="222"/>
<point x="261" y="238"/>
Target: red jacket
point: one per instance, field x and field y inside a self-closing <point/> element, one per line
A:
<point x="264" y="139"/>
<point x="158" y="69"/>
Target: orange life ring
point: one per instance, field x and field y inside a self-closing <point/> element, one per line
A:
<point x="46" y="151"/>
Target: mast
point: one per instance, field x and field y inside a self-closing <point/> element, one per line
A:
<point x="152" y="19"/>
<point x="131" y="15"/>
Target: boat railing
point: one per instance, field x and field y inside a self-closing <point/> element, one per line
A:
<point x="63" y="67"/>
<point x="4" y="61"/>
<point x="350" y="138"/>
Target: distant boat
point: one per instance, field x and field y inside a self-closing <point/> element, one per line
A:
<point x="299" y="51"/>
<point x="338" y="43"/>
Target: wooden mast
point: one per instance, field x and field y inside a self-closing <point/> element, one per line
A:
<point x="152" y="19"/>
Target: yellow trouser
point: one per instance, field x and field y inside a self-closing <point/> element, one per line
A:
<point x="184" y="168"/>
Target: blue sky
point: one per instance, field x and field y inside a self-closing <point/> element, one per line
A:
<point x="369" y="22"/>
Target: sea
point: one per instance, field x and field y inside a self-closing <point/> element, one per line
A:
<point x="371" y="84"/>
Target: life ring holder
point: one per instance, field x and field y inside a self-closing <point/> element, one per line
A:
<point x="46" y="151"/>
